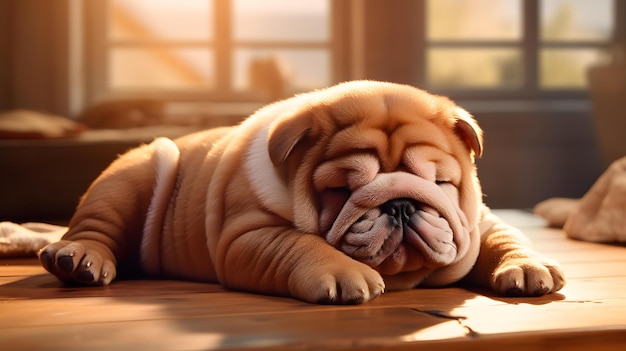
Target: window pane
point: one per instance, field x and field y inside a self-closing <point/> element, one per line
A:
<point x="565" y="68"/>
<point x="160" y="68"/>
<point x="161" y="19"/>
<point x="303" y="20"/>
<point x="303" y="69"/>
<point x="571" y="20"/>
<point x="474" y="68"/>
<point x="474" y="20"/>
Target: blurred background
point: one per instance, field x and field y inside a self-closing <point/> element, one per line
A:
<point x="83" y="80"/>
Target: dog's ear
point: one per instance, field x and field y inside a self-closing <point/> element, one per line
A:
<point x="468" y="130"/>
<point x="289" y="130"/>
<point x="284" y="136"/>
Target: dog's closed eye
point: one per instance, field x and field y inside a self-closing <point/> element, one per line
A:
<point x="339" y="189"/>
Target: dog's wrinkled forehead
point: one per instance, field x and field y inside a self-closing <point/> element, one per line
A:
<point x="385" y="106"/>
<point x="386" y="124"/>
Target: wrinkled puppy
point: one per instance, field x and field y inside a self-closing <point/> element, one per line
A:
<point x="330" y="196"/>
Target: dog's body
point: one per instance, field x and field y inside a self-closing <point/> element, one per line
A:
<point x="329" y="196"/>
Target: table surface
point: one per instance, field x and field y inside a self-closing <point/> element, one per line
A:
<point x="39" y="313"/>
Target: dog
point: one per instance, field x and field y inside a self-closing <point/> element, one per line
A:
<point x="330" y="196"/>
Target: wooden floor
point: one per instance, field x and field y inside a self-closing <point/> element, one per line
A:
<point x="38" y="313"/>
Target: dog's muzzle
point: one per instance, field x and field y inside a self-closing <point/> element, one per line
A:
<point x="379" y="233"/>
<point x="395" y="212"/>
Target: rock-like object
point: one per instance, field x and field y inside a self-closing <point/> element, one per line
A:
<point x="600" y="216"/>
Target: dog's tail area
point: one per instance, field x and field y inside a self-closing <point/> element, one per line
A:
<point x="165" y="157"/>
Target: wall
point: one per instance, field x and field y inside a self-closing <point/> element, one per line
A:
<point x="530" y="156"/>
<point x="35" y="64"/>
<point x="5" y="61"/>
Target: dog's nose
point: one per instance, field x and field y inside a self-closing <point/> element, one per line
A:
<point x="400" y="209"/>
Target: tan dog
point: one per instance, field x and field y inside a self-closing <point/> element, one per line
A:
<point x="329" y="196"/>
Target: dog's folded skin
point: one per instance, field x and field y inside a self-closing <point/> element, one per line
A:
<point x="330" y="197"/>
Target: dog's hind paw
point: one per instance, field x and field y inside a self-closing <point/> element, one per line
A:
<point x="84" y="263"/>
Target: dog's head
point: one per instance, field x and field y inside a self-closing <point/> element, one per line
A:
<point x="384" y="172"/>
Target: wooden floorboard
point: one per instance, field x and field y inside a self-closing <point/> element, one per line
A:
<point x="39" y="313"/>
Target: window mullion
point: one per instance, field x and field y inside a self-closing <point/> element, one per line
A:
<point x="422" y="44"/>
<point x="531" y="45"/>
<point x="97" y="49"/>
<point x="619" y="31"/>
<point x="223" y="46"/>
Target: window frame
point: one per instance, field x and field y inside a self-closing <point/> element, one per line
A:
<point x="223" y="47"/>
<point x="530" y="45"/>
<point x="359" y="49"/>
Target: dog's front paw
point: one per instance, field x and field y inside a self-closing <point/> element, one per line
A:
<point x="86" y="263"/>
<point x="527" y="276"/>
<point x="341" y="283"/>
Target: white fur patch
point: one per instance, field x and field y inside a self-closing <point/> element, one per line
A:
<point x="166" y="156"/>
<point x="265" y="180"/>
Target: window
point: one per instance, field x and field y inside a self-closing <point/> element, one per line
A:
<point x="571" y="31"/>
<point x="518" y="47"/>
<point x="228" y="49"/>
<point x="281" y="35"/>
<point x="160" y="45"/>
<point x="259" y="50"/>
<point x="474" y="44"/>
